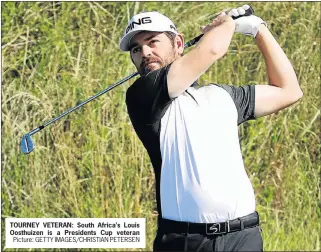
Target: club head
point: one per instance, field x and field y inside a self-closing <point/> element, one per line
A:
<point x="27" y="145"/>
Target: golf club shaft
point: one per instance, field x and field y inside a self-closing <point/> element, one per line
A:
<point x="81" y="104"/>
<point x="34" y="131"/>
<point x="248" y="12"/>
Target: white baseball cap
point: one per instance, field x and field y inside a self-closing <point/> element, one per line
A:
<point x="146" y="21"/>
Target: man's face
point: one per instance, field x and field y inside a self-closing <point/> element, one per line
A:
<point x="151" y="50"/>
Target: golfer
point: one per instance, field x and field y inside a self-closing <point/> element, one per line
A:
<point x="204" y="197"/>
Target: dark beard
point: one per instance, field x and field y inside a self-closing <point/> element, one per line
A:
<point x="145" y="68"/>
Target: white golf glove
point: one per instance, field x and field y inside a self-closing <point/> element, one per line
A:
<point x="248" y="25"/>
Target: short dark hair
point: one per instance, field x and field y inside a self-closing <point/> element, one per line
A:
<point x="171" y="36"/>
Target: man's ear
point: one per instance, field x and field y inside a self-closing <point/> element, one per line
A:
<point x="179" y="43"/>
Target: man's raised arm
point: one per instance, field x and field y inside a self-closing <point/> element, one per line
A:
<point x="283" y="89"/>
<point x="213" y="45"/>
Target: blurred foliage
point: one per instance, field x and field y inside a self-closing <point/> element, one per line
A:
<point x="91" y="164"/>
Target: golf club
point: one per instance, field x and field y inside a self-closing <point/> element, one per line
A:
<point x="28" y="146"/>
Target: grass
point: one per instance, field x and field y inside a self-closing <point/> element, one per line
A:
<point x="91" y="164"/>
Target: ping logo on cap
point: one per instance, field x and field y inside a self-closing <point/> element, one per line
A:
<point x="144" y="20"/>
<point x="173" y="27"/>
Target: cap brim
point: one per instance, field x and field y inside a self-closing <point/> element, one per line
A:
<point x="124" y="43"/>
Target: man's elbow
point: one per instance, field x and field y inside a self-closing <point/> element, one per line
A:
<point x="218" y="51"/>
<point x="299" y="94"/>
<point x="295" y="94"/>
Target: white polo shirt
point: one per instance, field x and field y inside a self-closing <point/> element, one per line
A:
<point x="193" y="144"/>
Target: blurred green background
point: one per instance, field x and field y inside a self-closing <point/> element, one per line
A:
<point x="91" y="163"/>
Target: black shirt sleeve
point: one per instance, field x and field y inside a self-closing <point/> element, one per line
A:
<point x="148" y="98"/>
<point x="244" y="99"/>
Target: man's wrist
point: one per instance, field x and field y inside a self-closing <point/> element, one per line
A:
<point x="262" y="29"/>
<point x="222" y="19"/>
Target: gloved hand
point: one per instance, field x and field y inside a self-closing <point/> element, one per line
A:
<point x="248" y="25"/>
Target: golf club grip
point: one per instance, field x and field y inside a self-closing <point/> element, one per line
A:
<point x="248" y="12"/>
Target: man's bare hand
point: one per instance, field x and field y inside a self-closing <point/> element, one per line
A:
<point x="219" y="20"/>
